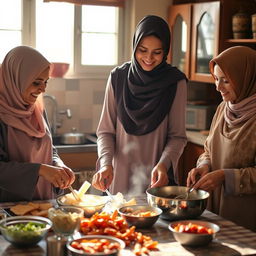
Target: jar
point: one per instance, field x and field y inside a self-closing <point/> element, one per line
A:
<point x="241" y="22"/>
<point x="254" y="26"/>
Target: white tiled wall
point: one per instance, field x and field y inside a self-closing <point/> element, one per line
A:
<point x="83" y="97"/>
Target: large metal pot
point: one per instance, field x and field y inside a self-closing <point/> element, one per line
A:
<point x="73" y="138"/>
<point x="177" y="209"/>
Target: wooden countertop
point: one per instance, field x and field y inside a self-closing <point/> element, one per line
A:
<point x="231" y="240"/>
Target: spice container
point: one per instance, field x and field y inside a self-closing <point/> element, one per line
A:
<point x="241" y="23"/>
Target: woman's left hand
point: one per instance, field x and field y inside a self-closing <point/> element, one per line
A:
<point x="159" y="176"/>
<point x="210" y="180"/>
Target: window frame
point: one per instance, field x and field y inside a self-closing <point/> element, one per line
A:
<point x="92" y="71"/>
<point x="28" y="35"/>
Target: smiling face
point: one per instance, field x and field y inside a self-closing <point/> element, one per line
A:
<point x="37" y="87"/>
<point x="149" y="52"/>
<point x="223" y="85"/>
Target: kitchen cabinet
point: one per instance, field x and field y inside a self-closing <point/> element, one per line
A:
<point x="195" y="38"/>
<point x="201" y="30"/>
<point x="188" y="160"/>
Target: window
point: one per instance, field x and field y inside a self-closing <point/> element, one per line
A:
<point x="86" y="36"/>
<point x="10" y="25"/>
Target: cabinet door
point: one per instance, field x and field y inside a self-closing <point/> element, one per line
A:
<point x="180" y="24"/>
<point x="188" y="160"/>
<point x="205" y="39"/>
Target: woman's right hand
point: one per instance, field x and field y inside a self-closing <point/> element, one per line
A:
<point x="195" y="174"/>
<point x="103" y="178"/>
<point x="61" y="177"/>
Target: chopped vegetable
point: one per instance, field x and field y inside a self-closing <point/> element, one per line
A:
<point x="193" y="228"/>
<point x="114" y="225"/>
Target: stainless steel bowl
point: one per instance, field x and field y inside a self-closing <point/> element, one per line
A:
<point x="24" y="236"/>
<point x="194" y="239"/>
<point x="73" y="138"/>
<point x="76" y="252"/>
<point x="139" y="222"/>
<point x="177" y="209"/>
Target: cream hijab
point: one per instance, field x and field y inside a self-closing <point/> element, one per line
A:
<point x="239" y="66"/>
<point x="29" y="138"/>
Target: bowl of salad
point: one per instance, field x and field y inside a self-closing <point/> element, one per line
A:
<point x="24" y="231"/>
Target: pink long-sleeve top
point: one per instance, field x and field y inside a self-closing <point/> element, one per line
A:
<point x="134" y="157"/>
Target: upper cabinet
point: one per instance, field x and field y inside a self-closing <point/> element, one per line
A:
<point x="201" y="30"/>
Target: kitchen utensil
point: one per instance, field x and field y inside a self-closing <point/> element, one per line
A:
<point x="176" y="209"/>
<point x="73" y="138"/>
<point x="186" y="195"/>
<point x="75" y="194"/>
<point x="133" y="214"/>
<point x="194" y="239"/>
<point x="110" y="195"/>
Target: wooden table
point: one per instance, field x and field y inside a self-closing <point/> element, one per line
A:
<point x="232" y="240"/>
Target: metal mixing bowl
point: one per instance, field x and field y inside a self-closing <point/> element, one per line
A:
<point x="139" y="222"/>
<point x="194" y="239"/>
<point x="13" y="229"/>
<point x="177" y="209"/>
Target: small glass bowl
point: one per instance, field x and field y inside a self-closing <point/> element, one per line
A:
<point x="65" y="219"/>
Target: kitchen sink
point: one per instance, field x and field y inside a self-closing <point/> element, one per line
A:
<point x="91" y="138"/>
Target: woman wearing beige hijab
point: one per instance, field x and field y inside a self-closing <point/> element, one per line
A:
<point x="29" y="165"/>
<point x="228" y="165"/>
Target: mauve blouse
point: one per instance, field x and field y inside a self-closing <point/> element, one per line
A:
<point x="133" y="157"/>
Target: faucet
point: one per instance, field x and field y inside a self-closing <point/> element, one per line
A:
<point x="55" y="121"/>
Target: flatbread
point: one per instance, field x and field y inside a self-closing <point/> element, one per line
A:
<point x="35" y="209"/>
<point x="23" y="209"/>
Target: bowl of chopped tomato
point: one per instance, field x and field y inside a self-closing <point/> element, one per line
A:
<point x="96" y="245"/>
<point x="193" y="232"/>
<point x="140" y="216"/>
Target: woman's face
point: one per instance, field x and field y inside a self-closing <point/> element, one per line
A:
<point x="149" y="52"/>
<point x="37" y="87"/>
<point x="223" y="85"/>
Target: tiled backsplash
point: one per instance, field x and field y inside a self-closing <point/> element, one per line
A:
<point x="83" y="97"/>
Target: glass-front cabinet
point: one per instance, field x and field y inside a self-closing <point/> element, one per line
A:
<point x="205" y="39"/>
<point x="195" y="37"/>
<point x="180" y="24"/>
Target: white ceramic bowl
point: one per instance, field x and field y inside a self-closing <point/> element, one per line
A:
<point x="78" y="252"/>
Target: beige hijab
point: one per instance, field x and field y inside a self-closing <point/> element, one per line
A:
<point x="239" y="66"/>
<point x="29" y="139"/>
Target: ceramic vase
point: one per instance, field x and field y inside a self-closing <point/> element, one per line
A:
<point x="241" y="23"/>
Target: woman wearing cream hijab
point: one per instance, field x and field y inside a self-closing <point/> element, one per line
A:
<point x="228" y="165"/>
<point x="29" y="165"/>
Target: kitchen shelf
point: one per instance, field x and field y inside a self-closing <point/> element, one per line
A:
<point x="252" y="41"/>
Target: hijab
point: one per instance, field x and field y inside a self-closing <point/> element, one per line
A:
<point x="144" y="98"/>
<point x="28" y="136"/>
<point x="239" y="66"/>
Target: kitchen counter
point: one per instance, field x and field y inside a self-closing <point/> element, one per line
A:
<point x="231" y="240"/>
<point x="76" y="148"/>
<point x="196" y="137"/>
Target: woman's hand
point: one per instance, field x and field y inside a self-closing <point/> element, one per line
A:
<point x="210" y="180"/>
<point x="59" y="176"/>
<point x="195" y="174"/>
<point x="103" y="178"/>
<point x="159" y="176"/>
